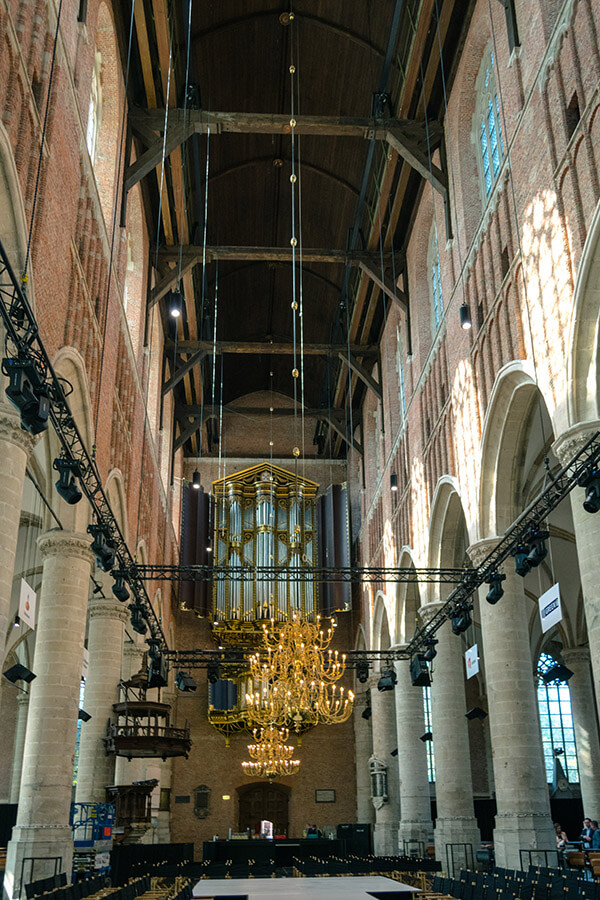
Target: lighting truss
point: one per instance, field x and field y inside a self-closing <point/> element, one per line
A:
<point x="354" y="574"/>
<point x="201" y="659"/>
<point x="23" y="340"/>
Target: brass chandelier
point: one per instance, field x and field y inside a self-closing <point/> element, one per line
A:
<point x="271" y="754"/>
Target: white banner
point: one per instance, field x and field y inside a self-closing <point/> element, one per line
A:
<point x="550" y="611"/>
<point x="85" y="664"/>
<point x="27" y="605"/>
<point x="472" y="661"/>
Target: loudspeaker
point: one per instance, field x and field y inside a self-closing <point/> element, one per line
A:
<point x="18" y="673"/>
<point x="419" y="671"/>
<point x="357" y="838"/>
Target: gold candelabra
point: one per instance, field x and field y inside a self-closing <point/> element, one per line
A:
<point x="271" y="754"/>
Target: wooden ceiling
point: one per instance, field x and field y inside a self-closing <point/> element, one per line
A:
<point x="350" y="188"/>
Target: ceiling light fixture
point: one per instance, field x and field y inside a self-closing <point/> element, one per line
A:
<point x="465" y="316"/>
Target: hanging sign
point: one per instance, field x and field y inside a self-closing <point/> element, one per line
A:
<point x="85" y="663"/>
<point x="472" y="661"/>
<point x="550" y="611"/>
<point x="27" y="600"/>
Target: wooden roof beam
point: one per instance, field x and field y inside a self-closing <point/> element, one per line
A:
<point x="272" y="348"/>
<point x="362" y="373"/>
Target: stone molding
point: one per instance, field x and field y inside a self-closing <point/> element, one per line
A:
<point x="104" y="608"/>
<point x="573" y="655"/>
<point x="23" y="699"/>
<point x="573" y="439"/>
<point x="65" y="543"/>
<point x="11" y="431"/>
<point x="480" y="549"/>
<point x="429" y="610"/>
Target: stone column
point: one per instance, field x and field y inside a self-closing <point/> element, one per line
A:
<point x="15" y="447"/>
<point x="523" y="819"/>
<point x="585" y="723"/>
<point x="455" y="822"/>
<point x="42" y="828"/>
<point x="587" y="538"/>
<point x="19" y="746"/>
<point x="415" y="800"/>
<point x="385" y="832"/>
<point x="363" y="743"/>
<point x="105" y="646"/>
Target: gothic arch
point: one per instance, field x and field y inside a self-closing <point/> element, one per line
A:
<point x="381" y="636"/>
<point x="408" y="601"/>
<point x="114" y="489"/>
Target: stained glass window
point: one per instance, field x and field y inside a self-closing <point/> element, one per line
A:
<point x="428" y="727"/>
<point x="490" y="128"/>
<point x="436" y="281"/>
<point x="401" y="372"/>
<point x="556" y="719"/>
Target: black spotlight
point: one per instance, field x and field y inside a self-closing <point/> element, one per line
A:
<point x="66" y="485"/>
<point x="362" y="672"/>
<point x="465" y="316"/>
<point x="175" y="303"/>
<point x="591" y="482"/>
<point x="196" y="480"/>
<point x="387" y="681"/>
<point x="430" y="651"/>
<point x="158" y="670"/>
<point x="476" y="713"/>
<point x="26" y="390"/>
<point x="213" y="672"/>
<point x="522" y="564"/>
<point x="138" y="622"/>
<point x="419" y="671"/>
<point x="538" y="551"/>
<point x="393" y="482"/>
<point x="185" y="682"/>
<point x="18" y="673"/>
<point x="367" y="712"/>
<point x="428" y="736"/>
<point x="461" y="620"/>
<point x="102" y="547"/>
<point x="496" y="591"/>
<point x="83" y="715"/>
<point x="556" y="673"/>
<point x="120" y="589"/>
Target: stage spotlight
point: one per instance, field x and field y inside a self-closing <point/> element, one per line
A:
<point x="476" y="713"/>
<point x="18" y="672"/>
<point x="137" y="620"/>
<point x="66" y="485"/>
<point x="102" y="547"/>
<point x="185" y="682"/>
<point x="496" y="591"/>
<point x="175" y="303"/>
<point x="393" y="482"/>
<point x="367" y="712"/>
<point x="27" y="392"/>
<point x="430" y="651"/>
<point x="419" y="671"/>
<point x="362" y="672"/>
<point x="461" y="620"/>
<point x="428" y="736"/>
<point x="196" y="480"/>
<point x="120" y="589"/>
<point x="394" y="752"/>
<point x="83" y="715"/>
<point x="522" y="564"/>
<point x="158" y="670"/>
<point x="538" y="550"/>
<point x="213" y="672"/>
<point x="465" y="316"/>
<point x="556" y="673"/>
<point x="591" y="482"/>
<point x="387" y="681"/>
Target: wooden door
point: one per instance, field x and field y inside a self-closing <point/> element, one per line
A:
<point x="260" y="801"/>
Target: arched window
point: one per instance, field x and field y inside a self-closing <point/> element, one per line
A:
<point x="487" y="124"/>
<point x="428" y="730"/>
<point x="435" y="280"/>
<point x="556" y="719"/>
<point x="401" y="372"/>
<point x="95" y="108"/>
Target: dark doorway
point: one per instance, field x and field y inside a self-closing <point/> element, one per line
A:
<point x="261" y="800"/>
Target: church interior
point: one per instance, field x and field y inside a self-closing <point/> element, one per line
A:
<point x="300" y="442"/>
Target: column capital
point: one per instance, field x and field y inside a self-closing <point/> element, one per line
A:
<point x="429" y="610"/>
<point x="480" y="549"/>
<point x="10" y="429"/>
<point x="573" y="655"/>
<point x="65" y="543"/>
<point x="573" y="439"/>
<point x="107" y="608"/>
<point x="23" y="698"/>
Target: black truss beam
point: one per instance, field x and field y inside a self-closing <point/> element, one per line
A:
<point x="23" y="340"/>
<point x="332" y="575"/>
<point x="200" y="659"/>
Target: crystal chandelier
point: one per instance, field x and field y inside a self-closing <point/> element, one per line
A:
<point x="295" y="677"/>
<point x="271" y="754"/>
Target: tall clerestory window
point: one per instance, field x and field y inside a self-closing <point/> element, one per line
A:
<point x="401" y="372"/>
<point x="556" y="720"/>
<point x="435" y="280"/>
<point x="94" y="109"/>
<point x="428" y="729"/>
<point x="487" y="125"/>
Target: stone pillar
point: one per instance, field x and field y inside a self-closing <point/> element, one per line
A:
<point x="523" y="819"/>
<point x="15" y="447"/>
<point x="587" y="538"/>
<point x="42" y="830"/>
<point x="585" y="723"/>
<point x="105" y="646"/>
<point x="415" y="801"/>
<point x="385" y="832"/>
<point x="19" y="746"/>
<point x="455" y="822"/>
<point x="363" y="744"/>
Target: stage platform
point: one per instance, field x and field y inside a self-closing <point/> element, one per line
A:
<point x="359" y="887"/>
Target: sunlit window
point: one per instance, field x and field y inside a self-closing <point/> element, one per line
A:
<point x="94" y="110"/>
<point x="488" y="124"/>
<point x="435" y="279"/>
<point x="78" y="737"/>
<point x="428" y="727"/>
<point x="401" y="372"/>
<point x="556" y="719"/>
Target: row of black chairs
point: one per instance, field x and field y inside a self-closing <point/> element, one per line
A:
<point x="58" y="883"/>
<point x="506" y="884"/>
